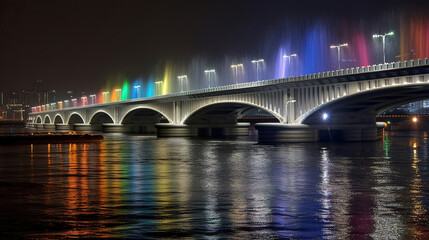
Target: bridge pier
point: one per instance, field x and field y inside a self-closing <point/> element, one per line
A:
<point x="112" y="128"/>
<point x="286" y="133"/>
<point x="194" y="130"/>
<point x="63" y="127"/>
<point x="49" y="126"/>
<point x="82" y="127"/>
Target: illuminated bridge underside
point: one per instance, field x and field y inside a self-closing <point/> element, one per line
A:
<point x="351" y="97"/>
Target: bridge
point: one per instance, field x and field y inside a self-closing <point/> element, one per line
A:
<point x="341" y="104"/>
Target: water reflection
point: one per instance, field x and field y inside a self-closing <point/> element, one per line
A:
<point x="144" y="187"/>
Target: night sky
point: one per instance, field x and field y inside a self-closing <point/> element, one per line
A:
<point x="78" y="44"/>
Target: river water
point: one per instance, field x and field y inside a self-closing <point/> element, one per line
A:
<point x="129" y="186"/>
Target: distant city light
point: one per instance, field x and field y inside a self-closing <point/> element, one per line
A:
<point x="415" y="119"/>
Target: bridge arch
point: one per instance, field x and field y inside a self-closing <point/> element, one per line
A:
<point x="58" y="119"/>
<point x="363" y="106"/>
<point x="47" y="119"/>
<point x="100" y="117"/>
<point x="221" y="109"/>
<point x="38" y="119"/>
<point x="75" y="118"/>
<point x="145" y="111"/>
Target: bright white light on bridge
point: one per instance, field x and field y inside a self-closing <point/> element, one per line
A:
<point x="209" y="71"/>
<point x="288" y="56"/>
<point x="415" y="119"/>
<point x="258" y="61"/>
<point x="138" y="86"/>
<point x="325" y="116"/>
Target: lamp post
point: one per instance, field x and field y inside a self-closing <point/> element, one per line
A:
<point x="257" y="62"/>
<point x="118" y="94"/>
<point x="158" y="85"/>
<point x="105" y="97"/>
<point x="383" y="37"/>
<point x="93" y="98"/>
<point x="137" y="88"/>
<point x="209" y="72"/>
<point x="288" y="57"/>
<point x="235" y="69"/>
<point x="181" y="79"/>
<point x="84" y="100"/>
<point x="286" y="119"/>
<point x="74" y="102"/>
<point x="338" y="47"/>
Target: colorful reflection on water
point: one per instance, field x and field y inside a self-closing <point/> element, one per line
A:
<point x="144" y="187"/>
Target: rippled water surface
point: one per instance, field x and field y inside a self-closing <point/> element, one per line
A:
<point x="143" y="187"/>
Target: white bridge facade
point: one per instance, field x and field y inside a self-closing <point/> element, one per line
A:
<point x="350" y="99"/>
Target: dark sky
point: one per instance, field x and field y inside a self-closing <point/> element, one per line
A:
<point x="79" y="43"/>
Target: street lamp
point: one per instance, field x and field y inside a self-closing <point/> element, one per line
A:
<point x="209" y="72"/>
<point x="235" y="68"/>
<point x="181" y="79"/>
<point x="338" y="47"/>
<point x="158" y="87"/>
<point x="93" y="98"/>
<point x="384" y="42"/>
<point x="288" y="57"/>
<point x="257" y="62"/>
<point x="286" y="119"/>
<point x="118" y="94"/>
<point x="105" y="97"/>
<point x="74" y="102"/>
<point x="83" y="100"/>
<point x="137" y="88"/>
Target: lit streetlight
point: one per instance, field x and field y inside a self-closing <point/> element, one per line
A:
<point x="84" y="100"/>
<point x="93" y="98"/>
<point x="235" y="68"/>
<point x="383" y="37"/>
<point x="182" y="78"/>
<point x="137" y="88"/>
<point x="288" y="57"/>
<point x="158" y="85"/>
<point x="105" y="97"/>
<point x="118" y="94"/>
<point x="286" y="118"/>
<point x="338" y="47"/>
<point x="208" y="73"/>
<point x="257" y="62"/>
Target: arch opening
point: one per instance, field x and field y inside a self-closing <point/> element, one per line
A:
<point x="58" y="120"/>
<point x="75" y="118"/>
<point x="142" y="120"/>
<point x="98" y="119"/>
<point x="38" y="119"/>
<point x="47" y="120"/>
<point x="230" y="113"/>
<point x="363" y="107"/>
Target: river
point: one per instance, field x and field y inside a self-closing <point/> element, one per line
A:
<point x="143" y="187"/>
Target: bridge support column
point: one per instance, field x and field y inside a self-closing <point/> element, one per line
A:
<point x="239" y="129"/>
<point x="113" y="128"/>
<point x="49" y="126"/>
<point x="286" y="133"/>
<point x="82" y="127"/>
<point x="175" y="130"/>
<point x="63" y="127"/>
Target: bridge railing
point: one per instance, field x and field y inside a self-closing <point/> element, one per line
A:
<point x="327" y="74"/>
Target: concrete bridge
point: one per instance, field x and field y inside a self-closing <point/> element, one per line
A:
<point x="341" y="104"/>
